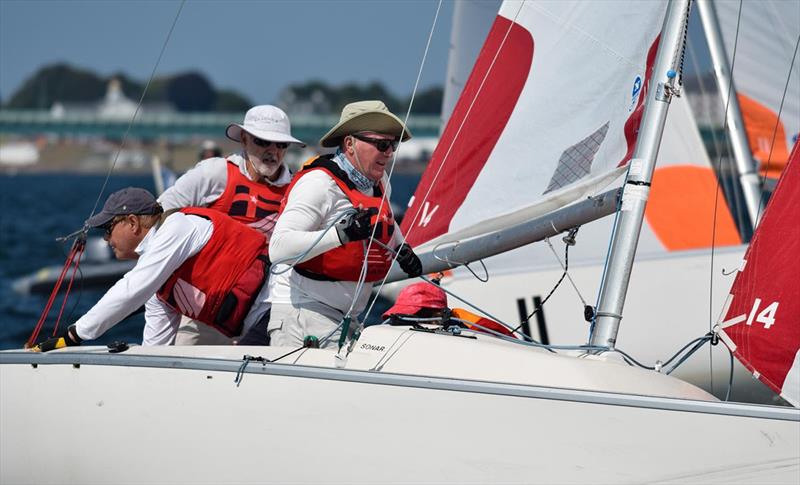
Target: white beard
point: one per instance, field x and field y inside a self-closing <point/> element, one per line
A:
<point x="266" y="170"/>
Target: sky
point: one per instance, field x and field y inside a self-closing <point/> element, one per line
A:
<point x="256" y="47"/>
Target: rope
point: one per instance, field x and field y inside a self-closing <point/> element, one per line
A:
<point x="79" y="243"/>
<point x="683" y="45"/>
<point x="77" y="260"/>
<point x="298" y="258"/>
<point x="574" y="286"/>
<point x="138" y="107"/>
<point x="558" y="283"/>
<point x="777" y="124"/>
<point x="481" y="310"/>
<point x="76" y="248"/>
<point x="718" y="170"/>
<point x="450" y="147"/>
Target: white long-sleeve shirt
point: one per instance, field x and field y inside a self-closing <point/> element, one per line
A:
<point x="315" y="202"/>
<point x="161" y="252"/>
<point x="205" y="183"/>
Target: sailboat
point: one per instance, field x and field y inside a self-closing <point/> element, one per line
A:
<point x="433" y="404"/>
<point x="690" y="245"/>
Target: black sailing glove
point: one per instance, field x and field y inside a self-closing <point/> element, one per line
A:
<point x="356" y="227"/>
<point x="68" y="338"/>
<point x="408" y="261"/>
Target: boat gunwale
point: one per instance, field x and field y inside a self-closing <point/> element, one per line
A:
<point x="401" y="380"/>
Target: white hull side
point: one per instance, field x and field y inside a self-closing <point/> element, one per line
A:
<point x="183" y="420"/>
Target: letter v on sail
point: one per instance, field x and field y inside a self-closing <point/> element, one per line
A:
<point x="544" y="119"/>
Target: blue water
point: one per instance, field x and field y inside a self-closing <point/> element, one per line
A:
<point x="34" y="210"/>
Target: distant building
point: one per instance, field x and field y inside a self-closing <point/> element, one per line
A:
<point x="114" y="106"/>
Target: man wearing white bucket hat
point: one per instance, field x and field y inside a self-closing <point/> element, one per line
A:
<point x="347" y="193"/>
<point x="248" y="186"/>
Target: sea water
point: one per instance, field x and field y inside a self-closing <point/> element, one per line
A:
<point x="34" y="211"/>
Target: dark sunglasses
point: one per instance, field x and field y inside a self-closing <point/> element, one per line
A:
<point x="109" y="227"/>
<point x="266" y="143"/>
<point x="381" y="145"/>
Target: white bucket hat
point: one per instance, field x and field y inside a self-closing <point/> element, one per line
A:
<point x="266" y="122"/>
<point x="365" y="116"/>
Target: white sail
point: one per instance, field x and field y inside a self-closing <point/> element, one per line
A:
<point x="548" y="116"/>
<point x="764" y="64"/>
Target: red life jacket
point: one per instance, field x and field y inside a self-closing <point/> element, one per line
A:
<point x="344" y="262"/>
<point x="217" y="285"/>
<point x="248" y="201"/>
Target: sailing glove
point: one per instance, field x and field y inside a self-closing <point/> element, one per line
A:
<point x="68" y="338"/>
<point x="408" y="261"/>
<point x="356" y="227"/>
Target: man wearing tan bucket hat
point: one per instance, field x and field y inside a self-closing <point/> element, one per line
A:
<point x="248" y="186"/>
<point x="336" y="214"/>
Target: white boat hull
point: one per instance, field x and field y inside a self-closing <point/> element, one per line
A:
<point x="174" y="415"/>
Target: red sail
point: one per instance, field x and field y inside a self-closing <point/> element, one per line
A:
<point x="761" y="319"/>
<point x="499" y="76"/>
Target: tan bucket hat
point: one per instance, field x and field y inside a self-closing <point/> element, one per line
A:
<point x="370" y="115"/>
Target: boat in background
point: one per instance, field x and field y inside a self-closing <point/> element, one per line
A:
<point x="432" y="403"/>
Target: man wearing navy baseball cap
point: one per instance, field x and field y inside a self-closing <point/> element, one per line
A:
<point x="196" y="262"/>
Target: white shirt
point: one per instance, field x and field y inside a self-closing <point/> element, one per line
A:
<point x="205" y="183"/>
<point x="315" y="202"/>
<point x="161" y="252"/>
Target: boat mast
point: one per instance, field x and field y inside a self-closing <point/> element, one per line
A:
<point x="637" y="186"/>
<point x="745" y="165"/>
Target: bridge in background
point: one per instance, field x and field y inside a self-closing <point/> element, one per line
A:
<point x="170" y="125"/>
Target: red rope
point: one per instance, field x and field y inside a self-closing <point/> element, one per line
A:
<point x="38" y="328"/>
<point x="69" y="287"/>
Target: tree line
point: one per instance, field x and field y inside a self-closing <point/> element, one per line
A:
<point x="192" y="92"/>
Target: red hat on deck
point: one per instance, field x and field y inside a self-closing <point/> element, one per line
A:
<point x="414" y="298"/>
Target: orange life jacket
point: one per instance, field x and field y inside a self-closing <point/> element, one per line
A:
<point x="217" y="285"/>
<point x="344" y="262"/>
<point x="248" y="201"/>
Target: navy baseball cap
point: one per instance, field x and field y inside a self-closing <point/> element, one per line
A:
<point x="130" y="200"/>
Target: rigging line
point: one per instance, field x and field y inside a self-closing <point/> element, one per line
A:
<point x="718" y="170"/>
<point x="466" y="115"/>
<point x="735" y="193"/>
<point x="683" y="50"/>
<point x="553" y="250"/>
<point x="394" y="160"/>
<point x="452" y="143"/>
<point x="777" y="123"/>
<point x="446" y="259"/>
<point x="138" y="107"/>
<point x="525" y="337"/>
<point x="558" y="283"/>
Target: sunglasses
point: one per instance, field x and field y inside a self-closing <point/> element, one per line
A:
<point x="266" y="144"/>
<point x="381" y="145"/>
<point x="109" y="228"/>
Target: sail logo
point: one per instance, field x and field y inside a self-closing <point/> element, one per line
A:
<point x="426" y="216"/>
<point x="637" y="89"/>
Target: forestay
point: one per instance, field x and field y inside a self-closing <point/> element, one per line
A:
<point x="548" y="116"/>
<point x="761" y="318"/>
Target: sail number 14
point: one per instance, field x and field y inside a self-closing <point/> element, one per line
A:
<point x="765" y="316"/>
